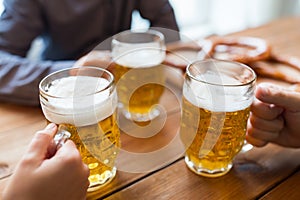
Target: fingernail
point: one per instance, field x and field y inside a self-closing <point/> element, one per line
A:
<point x="278" y="109"/>
<point x="50" y="126"/>
<point x="263" y="90"/>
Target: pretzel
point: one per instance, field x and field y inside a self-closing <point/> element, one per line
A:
<point x="263" y="69"/>
<point x="287" y="60"/>
<point x="180" y="54"/>
<point x="296" y="87"/>
<point x="240" y="49"/>
<point x="253" y="51"/>
<point x="290" y="74"/>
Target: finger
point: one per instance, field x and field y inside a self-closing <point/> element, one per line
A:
<point x="255" y="142"/>
<point x="87" y="174"/>
<point x="71" y="155"/>
<point x="41" y="142"/>
<point x="261" y="134"/>
<point x="68" y="151"/>
<point x="283" y="97"/>
<point x="95" y="58"/>
<point x="69" y="148"/>
<point x="265" y="111"/>
<point x="266" y="125"/>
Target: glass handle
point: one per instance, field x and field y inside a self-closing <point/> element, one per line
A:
<point x="61" y="137"/>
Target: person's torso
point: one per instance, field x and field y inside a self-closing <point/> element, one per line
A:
<point x="74" y="27"/>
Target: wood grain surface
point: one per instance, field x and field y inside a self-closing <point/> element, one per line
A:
<point x="271" y="172"/>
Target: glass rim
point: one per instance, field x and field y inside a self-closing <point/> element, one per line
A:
<point x="188" y="73"/>
<point x="139" y="31"/>
<point x="43" y="92"/>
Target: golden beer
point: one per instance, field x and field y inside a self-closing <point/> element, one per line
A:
<point x="98" y="146"/>
<point x="139" y="98"/>
<point x="217" y="96"/>
<point x="225" y="140"/>
<point x="86" y="108"/>
<point x="138" y="71"/>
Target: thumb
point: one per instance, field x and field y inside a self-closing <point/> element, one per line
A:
<point x="41" y="143"/>
<point x="283" y="97"/>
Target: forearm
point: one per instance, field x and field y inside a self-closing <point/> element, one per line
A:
<point x="161" y="16"/>
<point x="19" y="78"/>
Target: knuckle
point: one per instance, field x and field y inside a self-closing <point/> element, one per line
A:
<point x="72" y="158"/>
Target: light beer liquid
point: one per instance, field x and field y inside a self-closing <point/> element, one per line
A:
<point x="91" y="122"/>
<point x="213" y="124"/>
<point x="140" y="80"/>
<point x="224" y="145"/>
<point x="142" y="98"/>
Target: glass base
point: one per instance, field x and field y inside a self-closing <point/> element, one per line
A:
<point x="141" y="117"/>
<point x="100" y="180"/>
<point x="207" y="172"/>
<point x="246" y="147"/>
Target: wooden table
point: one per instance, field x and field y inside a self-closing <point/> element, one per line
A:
<point x="271" y="172"/>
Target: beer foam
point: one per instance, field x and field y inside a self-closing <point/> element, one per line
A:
<point x="139" y="55"/>
<point x="79" y="100"/>
<point x="218" y="98"/>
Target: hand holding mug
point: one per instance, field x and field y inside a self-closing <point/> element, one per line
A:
<point x="50" y="173"/>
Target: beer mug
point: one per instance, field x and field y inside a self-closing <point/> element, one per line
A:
<point x="83" y="101"/>
<point x="137" y="58"/>
<point x="215" y="108"/>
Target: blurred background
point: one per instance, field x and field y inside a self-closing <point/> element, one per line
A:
<point x="200" y="18"/>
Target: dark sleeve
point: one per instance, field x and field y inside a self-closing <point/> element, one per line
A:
<point x="19" y="78"/>
<point x="161" y="15"/>
<point x="20" y="24"/>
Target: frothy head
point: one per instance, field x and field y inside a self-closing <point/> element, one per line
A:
<point x="139" y="56"/>
<point x="227" y="95"/>
<point x="78" y="100"/>
<point x="138" y="48"/>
